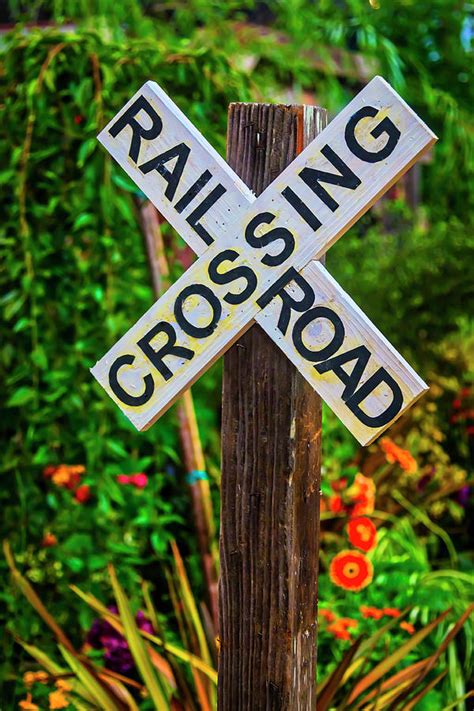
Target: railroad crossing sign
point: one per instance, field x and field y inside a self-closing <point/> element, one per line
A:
<point x="256" y="258"/>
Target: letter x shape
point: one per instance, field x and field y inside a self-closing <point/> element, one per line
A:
<point x="256" y="258"/>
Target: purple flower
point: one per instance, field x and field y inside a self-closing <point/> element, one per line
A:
<point x="463" y="496"/>
<point x="117" y="654"/>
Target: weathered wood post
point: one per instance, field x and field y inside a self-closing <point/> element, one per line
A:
<point x="271" y="459"/>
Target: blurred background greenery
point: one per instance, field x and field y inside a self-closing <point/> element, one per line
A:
<point x="74" y="276"/>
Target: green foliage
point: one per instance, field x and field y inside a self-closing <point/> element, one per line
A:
<point x="74" y="276"/>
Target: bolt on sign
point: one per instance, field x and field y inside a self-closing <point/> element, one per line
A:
<point x="257" y="258"/>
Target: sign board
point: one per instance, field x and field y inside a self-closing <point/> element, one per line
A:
<point x="256" y="258"/>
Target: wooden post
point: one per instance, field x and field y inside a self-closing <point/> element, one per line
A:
<point x="271" y="458"/>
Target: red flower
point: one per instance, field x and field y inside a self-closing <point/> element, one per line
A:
<point x="371" y="612"/>
<point x="351" y="570"/>
<point x="408" y="627"/>
<point x="83" y="494"/>
<point x="78" y="119"/>
<point x="335" y="504"/>
<point x="391" y="612"/>
<point x="49" y="540"/>
<point x="457" y="404"/>
<point x="340" y="484"/>
<point x="139" y="480"/>
<point x="340" y="628"/>
<point x="362" y="533"/>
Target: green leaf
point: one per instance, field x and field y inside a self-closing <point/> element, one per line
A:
<point x="94" y="688"/>
<point x="21" y="397"/>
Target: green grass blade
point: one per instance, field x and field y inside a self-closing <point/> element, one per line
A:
<point x="94" y="688"/>
<point x="410" y="705"/>
<point x="173" y="649"/>
<point x="137" y="646"/>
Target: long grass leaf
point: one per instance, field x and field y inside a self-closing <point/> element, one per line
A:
<point x="137" y="646"/>
<point x="119" y="690"/>
<point x="384" y="666"/>
<point x="400" y="677"/>
<point x="190" y="604"/>
<point x="408" y="706"/>
<point x="95" y="689"/>
<point x="53" y="668"/>
<point x="455" y="629"/>
<point x="333" y="683"/>
<point x="469" y="695"/>
<point x="369" y="644"/>
<point x="173" y="649"/>
<point x="181" y="682"/>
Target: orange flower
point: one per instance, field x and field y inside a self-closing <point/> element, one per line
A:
<point x="67" y="476"/>
<point x="347" y="622"/>
<point x="362" y="533"/>
<point x="391" y="612"/>
<point x="371" y="612"/>
<point x="63" y="684"/>
<point x="57" y="700"/>
<point x="362" y="493"/>
<point x="31" y="677"/>
<point x="27" y="704"/>
<point x="395" y="454"/>
<point x="351" y="570"/>
<point x="407" y="626"/>
<point x="340" y="628"/>
<point x="49" y="540"/>
<point x="326" y="614"/>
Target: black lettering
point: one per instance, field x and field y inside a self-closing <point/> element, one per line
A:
<point x="194" y="190"/>
<point x="201" y="210"/>
<point x="351" y="380"/>
<point x="214" y="303"/>
<point x="385" y="126"/>
<point x="304" y="320"/>
<point x="380" y="376"/>
<point x="266" y="218"/>
<point x="138" y="131"/>
<point x="301" y="208"/>
<point x="123" y="395"/>
<point x="181" y="152"/>
<point x="242" y="272"/>
<point x="169" y="348"/>
<point x="288" y="302"/>
<point x="346" y="178"/>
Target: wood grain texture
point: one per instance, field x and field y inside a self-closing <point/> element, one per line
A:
<point x="271" y="458"/>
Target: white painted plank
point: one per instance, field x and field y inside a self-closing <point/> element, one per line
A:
<point x="415" y="137"/>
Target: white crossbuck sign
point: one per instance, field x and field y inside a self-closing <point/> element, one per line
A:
<point x="257" y="258"/>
